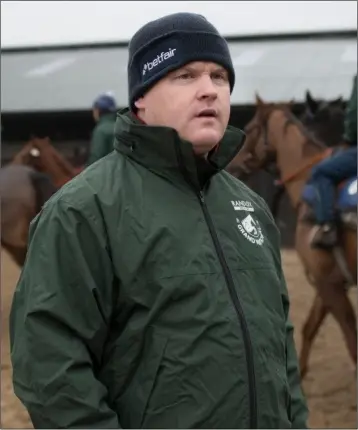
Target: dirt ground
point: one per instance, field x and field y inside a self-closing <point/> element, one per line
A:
<point x="330" y="386"/>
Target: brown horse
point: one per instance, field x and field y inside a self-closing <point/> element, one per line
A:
<point x="324" y="119"/>
<point x="42" y="156"/>
<point x="34" y="174"/>
<point x="274" y="135"/>
<point x="23" y="192"/>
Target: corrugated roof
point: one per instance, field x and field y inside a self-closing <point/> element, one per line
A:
<point x="278" y="69"/>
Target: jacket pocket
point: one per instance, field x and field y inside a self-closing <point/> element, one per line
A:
<point x="131" y="406"/>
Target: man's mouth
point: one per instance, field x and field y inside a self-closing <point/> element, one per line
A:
<point x="207" y="113"/>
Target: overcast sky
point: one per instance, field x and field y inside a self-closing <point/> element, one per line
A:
<point x="38" y="23"/>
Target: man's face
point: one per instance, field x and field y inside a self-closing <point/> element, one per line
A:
<point x="194" y="100"/>
<point x="95" y="113"/>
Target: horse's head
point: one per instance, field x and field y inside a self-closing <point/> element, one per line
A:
<point x="257" y="151"/>
<point x="37" y="153"/>
<point x="32" y="154"/>
<point x="324" y="118"/>
<point x="40" y="154"/>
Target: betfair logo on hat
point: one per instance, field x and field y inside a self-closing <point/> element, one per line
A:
<point x="158" y="60"/>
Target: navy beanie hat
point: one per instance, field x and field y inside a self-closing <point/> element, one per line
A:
<point x="105" y="103"/>
<point x="169" y="43"/>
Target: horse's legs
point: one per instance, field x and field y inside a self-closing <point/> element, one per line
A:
<point x="349" y="241"/>
<point x="330" y="286"/>
<point x="335" y="297"/>
<point x="313" y="322"/>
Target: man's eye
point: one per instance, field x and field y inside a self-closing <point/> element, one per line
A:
<point x="220" y="76"/>
<point x="185" y="76"/>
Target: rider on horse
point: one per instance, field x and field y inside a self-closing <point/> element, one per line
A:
<point x="329" y="173"/>
<point x="104" y="113"/>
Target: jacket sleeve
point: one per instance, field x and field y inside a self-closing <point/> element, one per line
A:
<point x="350" y="122"/>
<point x="98" y="145"/>
<point x="59" y="320"/>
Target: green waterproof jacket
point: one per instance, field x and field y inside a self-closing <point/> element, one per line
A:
<point x="153" y="297"/>
<point x="102" y="138"/>
<point x="350" y="123"/>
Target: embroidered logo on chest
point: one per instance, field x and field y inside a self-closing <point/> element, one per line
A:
<point x="247" y="224"/>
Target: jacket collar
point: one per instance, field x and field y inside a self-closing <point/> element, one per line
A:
<point x="161" y="150"/>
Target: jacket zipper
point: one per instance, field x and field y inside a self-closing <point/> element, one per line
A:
<point x="239" y="311"/>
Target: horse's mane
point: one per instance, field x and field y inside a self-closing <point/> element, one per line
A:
<point x="291" y="119"/>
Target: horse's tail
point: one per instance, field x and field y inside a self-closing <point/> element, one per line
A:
<point x="44" y="188"/>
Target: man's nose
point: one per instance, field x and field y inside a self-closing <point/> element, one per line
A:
<point x="207" y="88"/>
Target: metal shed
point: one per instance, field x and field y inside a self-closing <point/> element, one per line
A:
<point x="68" y="78"/>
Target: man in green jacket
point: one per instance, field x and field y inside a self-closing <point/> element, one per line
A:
<point x="104" y="108"/>
<point x="153" y="294"/>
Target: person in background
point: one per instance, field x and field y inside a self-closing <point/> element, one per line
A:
<point x="326" y="175"/>
<point x="104" y="113"/>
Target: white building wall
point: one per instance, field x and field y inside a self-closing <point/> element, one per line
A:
<point x="41" y="23"/>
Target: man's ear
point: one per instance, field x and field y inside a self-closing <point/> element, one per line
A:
<point x="139" y="104"/>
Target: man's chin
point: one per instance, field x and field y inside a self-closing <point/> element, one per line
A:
<point x="205" y="141"/>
